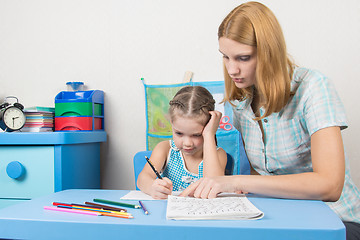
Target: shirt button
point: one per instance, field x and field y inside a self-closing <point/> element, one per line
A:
<point x="265" y="120"/>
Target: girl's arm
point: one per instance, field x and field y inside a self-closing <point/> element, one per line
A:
<point x="147" y="179"/>
<point x="324" y="183"/>
<point x="214" y="160"/>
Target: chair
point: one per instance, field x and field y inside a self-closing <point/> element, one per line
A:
<point x="140" y="161"/>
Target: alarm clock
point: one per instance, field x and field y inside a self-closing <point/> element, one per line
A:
<point x="12" y="117"/>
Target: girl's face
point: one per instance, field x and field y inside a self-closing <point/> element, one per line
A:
<point x="187" y="135"/>
<point x="240" y="61"/>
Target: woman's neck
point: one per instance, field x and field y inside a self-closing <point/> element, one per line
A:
<point x="256" y="103"/>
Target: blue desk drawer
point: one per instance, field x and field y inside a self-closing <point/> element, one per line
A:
<point x="37" y="176"/>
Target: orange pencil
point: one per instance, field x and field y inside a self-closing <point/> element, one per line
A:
<point x="116" y="215"/>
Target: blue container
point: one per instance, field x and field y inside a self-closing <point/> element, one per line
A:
<point x="72" y="99"/>
<point x="95" y="96"/>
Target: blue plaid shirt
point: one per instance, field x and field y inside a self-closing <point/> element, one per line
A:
<point x="286" y="147"/>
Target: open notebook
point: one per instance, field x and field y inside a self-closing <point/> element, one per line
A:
<point x="228" y="207"/>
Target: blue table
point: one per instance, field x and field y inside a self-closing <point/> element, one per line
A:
<point x="284" y="219"/>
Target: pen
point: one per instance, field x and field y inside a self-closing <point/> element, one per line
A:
<point x="153" y="168"/>
<point x="116" y="203"/>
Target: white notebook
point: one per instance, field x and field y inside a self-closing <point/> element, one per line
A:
<point x="139" y="195"/>
<point x="228" y="207"/>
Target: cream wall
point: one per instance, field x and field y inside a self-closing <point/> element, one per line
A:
<point x="110" y="45"/>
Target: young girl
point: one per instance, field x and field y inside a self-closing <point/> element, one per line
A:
<point x="192" y="153"/>
<point x="290" y="119"/>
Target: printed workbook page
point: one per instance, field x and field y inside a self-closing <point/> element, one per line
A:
<point x="226" y="207"/>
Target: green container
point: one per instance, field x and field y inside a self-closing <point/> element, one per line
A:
<point x="78" y="109"/>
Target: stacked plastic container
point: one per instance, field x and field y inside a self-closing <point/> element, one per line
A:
<point x="79" y="110"/>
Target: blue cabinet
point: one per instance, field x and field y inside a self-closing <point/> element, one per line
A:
<point x="36" y="164"/>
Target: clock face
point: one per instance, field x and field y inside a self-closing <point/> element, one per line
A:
<point x="14" y="118"/>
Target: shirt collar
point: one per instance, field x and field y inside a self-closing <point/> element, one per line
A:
<point x="241" y="105"/>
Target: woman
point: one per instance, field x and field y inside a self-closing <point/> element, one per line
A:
<point x="290" y="119"/>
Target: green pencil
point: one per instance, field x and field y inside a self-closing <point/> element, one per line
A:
<point x="116" y="203"/>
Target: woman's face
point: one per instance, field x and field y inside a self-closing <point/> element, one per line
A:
<point x="240" y="61"/>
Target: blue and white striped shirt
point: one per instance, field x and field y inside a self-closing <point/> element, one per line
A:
<point x="286" y="147"/>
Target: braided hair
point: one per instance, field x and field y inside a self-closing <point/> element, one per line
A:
<point x="193" y="102"/>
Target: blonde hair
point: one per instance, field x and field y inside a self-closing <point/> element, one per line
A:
<point x="254" y="24"/>
<point x="192" y="102"/>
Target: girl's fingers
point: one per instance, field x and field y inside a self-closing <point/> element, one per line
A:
<point x="161" y="188"/>
<point x="168" y="181"/>
<point x="213" y="124"/>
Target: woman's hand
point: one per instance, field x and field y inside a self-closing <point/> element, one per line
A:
<point x="210" y="187"/>
<point x="213" y="124"/>
<point x="161" y="188"/>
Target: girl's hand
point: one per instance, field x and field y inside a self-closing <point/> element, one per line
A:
<point x="161" y="188"/>
<point x="210" y="187"/>
<point x="213" y="124"/>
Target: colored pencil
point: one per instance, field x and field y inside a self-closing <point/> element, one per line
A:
<point x="71" y="210"/>
<point x="106" y="207"/>
<point x="143" y="208"/>
<point x="153" y="168"/>
<point x="59" y="203"/>
<point x="116" y="203"/>
<point x="117" y="215"/>
<point x="102" y="208"/>
<point x="95" y="210"/>
<point x="87" y="206"/>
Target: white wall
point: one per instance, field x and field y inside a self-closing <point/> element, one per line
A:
<point x="110" y="45"/>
